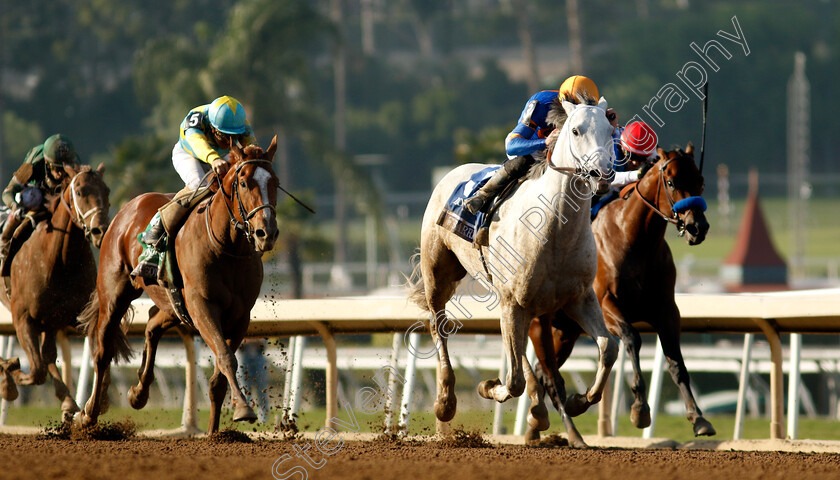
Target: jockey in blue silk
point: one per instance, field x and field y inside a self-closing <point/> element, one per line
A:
<point x="528" y="136"/>
<point x="206" y="134"/>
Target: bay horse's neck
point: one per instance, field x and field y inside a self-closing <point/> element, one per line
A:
<point x="68" y="237"/>
<point x="642" y="224"/>
<point x="228" y="239"/>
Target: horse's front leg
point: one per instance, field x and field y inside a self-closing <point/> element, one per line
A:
<point x="669" y="336"/>
<point x="226" y="364"/>
<point x="640" y="410"/>
<point x="587" y="313"/>
<point x="158" y="323"/>
<point x="49" y="354"/>
<point x="28" y="334"/>
<point x="514" y="324"/>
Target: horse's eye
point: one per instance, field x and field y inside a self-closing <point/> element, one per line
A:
<point x="79" y="193"/>
<point x="670" y="184"/>
<point x="242" y="184"/>
<point x="575" y="132"/>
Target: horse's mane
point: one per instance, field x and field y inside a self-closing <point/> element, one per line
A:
<point x="253" y="151"/>
<point x="556" y="118"/>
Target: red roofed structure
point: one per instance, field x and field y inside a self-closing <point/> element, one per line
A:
<point x="754" y="265"/>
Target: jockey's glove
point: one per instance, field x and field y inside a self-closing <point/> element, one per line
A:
<point x="645" y="167"/>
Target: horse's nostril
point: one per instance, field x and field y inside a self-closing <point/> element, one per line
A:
<point x="96" y="231"/>
<point x="260" y="233"/>
<point x="595" y="174"/>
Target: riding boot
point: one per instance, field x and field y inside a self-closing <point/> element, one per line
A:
<point x="6" y="238"/>
<point x="511" y="170"/>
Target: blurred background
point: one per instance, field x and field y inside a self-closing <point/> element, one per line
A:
<point x="372" y="99"/>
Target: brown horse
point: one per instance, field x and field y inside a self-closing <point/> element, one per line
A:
<point x="52" y="275"/>
<point x="218" y="250"/>
<point x="635" y="282"/>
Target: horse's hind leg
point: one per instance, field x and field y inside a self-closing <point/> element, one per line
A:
<point x="441" y="273"/>
<point x="587" y="313"/>
<point x="49" y="354"/>
<point x="669" y="335"/>
<point x="159" y="322"/>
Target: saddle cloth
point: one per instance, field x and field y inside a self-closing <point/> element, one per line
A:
<point x="457" y="219"/>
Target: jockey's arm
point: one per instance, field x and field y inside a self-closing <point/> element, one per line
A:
<point x="194" y="141"/>
<point x="623" y="178"/>
<point x="9" y="194"/>
<point x="522" y="141"/>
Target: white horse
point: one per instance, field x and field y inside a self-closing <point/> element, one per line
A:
<point x="542" y="257"/>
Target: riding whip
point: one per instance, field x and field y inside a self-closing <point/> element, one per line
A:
<point x="703" y="138"/>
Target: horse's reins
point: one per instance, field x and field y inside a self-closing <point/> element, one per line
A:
<point x="79" y="218"/>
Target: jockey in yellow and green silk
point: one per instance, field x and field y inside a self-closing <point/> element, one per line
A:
<point x="204" y="143"/>
<point x="529" y="134"/>
<point x="42" y="172"/>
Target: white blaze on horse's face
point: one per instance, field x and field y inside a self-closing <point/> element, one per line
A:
<point x="265" y="242"/>
<point x="586" y="140"/>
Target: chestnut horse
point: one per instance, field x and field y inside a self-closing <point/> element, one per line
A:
<point x="52" y="275"/>
<point x="218" y="250"/>
<point x="635" y="282"/>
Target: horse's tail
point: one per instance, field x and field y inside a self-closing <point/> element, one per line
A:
<point x="414" y="283"/>
<point x="89" y="320"/>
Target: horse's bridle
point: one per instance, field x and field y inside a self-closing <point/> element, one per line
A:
<point x="577" y="171"/>
<point x="245" y="224"/>
<point x="675" y="212"/>
<point x="76" y="214"/>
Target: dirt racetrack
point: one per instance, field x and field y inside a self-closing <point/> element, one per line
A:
<point x="28" y="457"/>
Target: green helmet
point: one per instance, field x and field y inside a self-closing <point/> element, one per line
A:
<point x="59" y="150"/>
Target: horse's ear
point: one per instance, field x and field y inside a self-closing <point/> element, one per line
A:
<point x="569" y="107"/>
<point x="70" y="171"/>
<point x="603" y="103"/>
<point x="101" y="169"/>
<point x="689" y="149"/>
<point x="272" y="149"/>
<point x="235" y="151"/>
<point x="662" y="154"/>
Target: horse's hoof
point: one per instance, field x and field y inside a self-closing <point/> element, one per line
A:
<point x="8" y="388"/>
<point x="640" y="415"/>
<point x="445" y="409"/>
<point x="82" y="419"/>
<point x="532" y="437"/>
<point x="576" y="441"/>
<point x="137" y="397"/>
<point x="576" y="404"/>
<point x="10" y="365"/>
<point x="485" y="388"/>
<point x="703" y="427"/>
<point x="538" y="418"/>
<point x="244" y="413"/>
<point x="68" y="406"/>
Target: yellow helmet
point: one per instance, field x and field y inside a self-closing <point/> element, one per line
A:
<point x="578" y="85"/>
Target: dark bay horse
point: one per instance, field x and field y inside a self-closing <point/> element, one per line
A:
<point x="218" y="251"/>
<point x="635" y="282"/>
<point x="52" y="275"/>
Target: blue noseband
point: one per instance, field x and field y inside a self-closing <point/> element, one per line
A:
<point x="690" y="203"/>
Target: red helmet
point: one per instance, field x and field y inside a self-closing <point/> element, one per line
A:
<point x="639" y="138"/>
